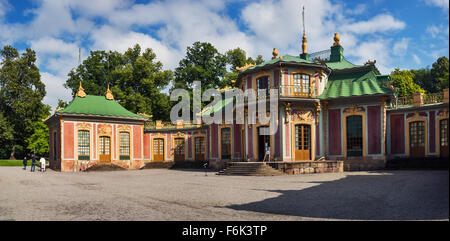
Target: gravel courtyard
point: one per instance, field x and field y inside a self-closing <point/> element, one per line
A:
<point x="182" y="195"/>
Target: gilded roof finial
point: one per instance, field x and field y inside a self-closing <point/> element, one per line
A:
<point x="336" y="39"/>
<point x="275" y="53"/>
<point x="109" y="95"/>
<point x="80" y="92"/>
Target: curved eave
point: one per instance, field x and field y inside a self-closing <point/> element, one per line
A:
<point x="356" y="96"/>
<point x="103" y="116"/>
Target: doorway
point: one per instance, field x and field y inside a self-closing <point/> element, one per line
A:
<point x="302" y="142"/>
<point x="179" y="152"/>
<point x="417" y="139"/>
<point x="354" y="136"/>
<point x="105" y="149"/>
<point x="199" y="148"/>
<point x="158" y="150"/>
<point x="263" y="143"/>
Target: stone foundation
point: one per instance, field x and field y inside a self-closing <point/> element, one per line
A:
<point x="308" y="167"/>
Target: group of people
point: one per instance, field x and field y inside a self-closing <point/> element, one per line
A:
<point x="33" y="163"/>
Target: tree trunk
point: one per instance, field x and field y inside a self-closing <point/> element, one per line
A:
<point x="11" y="157"/>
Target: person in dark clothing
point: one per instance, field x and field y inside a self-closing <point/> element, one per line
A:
<point x="33" y="163"/>
<point x="25" y="163"/>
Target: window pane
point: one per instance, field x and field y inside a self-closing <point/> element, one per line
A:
<point x="83" y="143"/>
<point x="124" y="148"/>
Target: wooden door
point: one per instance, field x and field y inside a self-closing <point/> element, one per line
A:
<point x="200" y="148"/>
<point x="105" y="149"/>
<point x="302" y="142"/>
<point x="443" y="138"/>
<point x="179" y="151"/>
<point x="158" y="150"/>
<point x="417" y="139"/>
<point x="354" y="136"/>
<point x="263" y="144"/>
<point x="225" y="143"/>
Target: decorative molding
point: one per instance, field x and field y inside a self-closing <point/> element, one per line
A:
<point x="124" y="128"/>
<point x="353" y="109"/>
<point x="84" y="126"/>
<point x="302" y="116"/>
<point x="105" y="130"/>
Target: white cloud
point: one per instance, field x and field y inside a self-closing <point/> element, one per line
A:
<point x="4" y="8"/>
<point x="380" y="23"/>
<point x="416" y="59"/>
<point x="401" y="47"/>
<point x="438" y="3"/>
<point x="55" y="89"/>
<point x="359" y="9"/>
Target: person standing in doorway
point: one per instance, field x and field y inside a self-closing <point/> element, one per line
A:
<point x="25" y="163"/>
<point x="33" y="163"/>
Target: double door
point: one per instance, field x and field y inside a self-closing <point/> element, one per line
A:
<point x="105" y="149"/>
<point x="158" y="150"/>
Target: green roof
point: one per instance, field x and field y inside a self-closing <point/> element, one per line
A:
<point x="285" y="59"/>
<point x="344" y="64"/>
<point x="355" y="84"/>
<point x="97" y="105"/>
<point x="217" y="107"/>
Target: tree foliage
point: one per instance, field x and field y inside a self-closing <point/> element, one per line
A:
<point x="38" y="142"/>
<point x="203" y="63"/>
<point x="439" y="71"/>
<point x="21" y="95"/>
<point x="403" y="81"/>
<point x="136" y="79"/>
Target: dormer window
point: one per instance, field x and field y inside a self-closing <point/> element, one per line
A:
<point x="302" y="84"/>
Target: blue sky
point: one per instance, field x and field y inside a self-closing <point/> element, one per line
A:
<point x="403" y="33"/>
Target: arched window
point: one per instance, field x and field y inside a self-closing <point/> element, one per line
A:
<point x="124" y="148"/>
<point x="83" y="145"/>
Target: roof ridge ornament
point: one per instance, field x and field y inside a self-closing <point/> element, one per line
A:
<point x="275" y="53"/>
<point x="80" y="92"/>
<point x="337" y="38"/>
<point x="109" y="95"/>
<point x="245" y="67"/>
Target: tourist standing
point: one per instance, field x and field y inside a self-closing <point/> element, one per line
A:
<point x="25" y="163"/>
<point x="33" y="163"/>
<point x="42" y="160"/>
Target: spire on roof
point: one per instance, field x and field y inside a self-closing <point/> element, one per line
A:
<point x="80" y="92"/>
<point x="304" y="41"/>
<point x="109" y="95"/>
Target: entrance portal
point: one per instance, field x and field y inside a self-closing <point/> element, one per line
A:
<point x="105" y="149"/>
<point x="354" y="136"/>
<point x="302" y="142"/>
<point x="417" y="139"/>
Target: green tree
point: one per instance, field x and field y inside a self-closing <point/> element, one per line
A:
<point x="439" y="71"/>
<point x="425" y="80"/>
<point x="6" y="137"/>
<point x="202" y="63"/>
<point x="403" y="81"/>
<point x="62" y="104"/>
<point x="238" y="58"/>
<point x="21" y="95"/>
<point x="38" y="142"/>
<point x="136" y="79"/>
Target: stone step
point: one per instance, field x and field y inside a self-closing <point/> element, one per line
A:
<point x="249" y="169"/>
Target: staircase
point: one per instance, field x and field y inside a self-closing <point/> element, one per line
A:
<point x="249" y="169"/>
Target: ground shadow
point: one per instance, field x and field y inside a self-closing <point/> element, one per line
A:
<point x="394" y="195"/>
